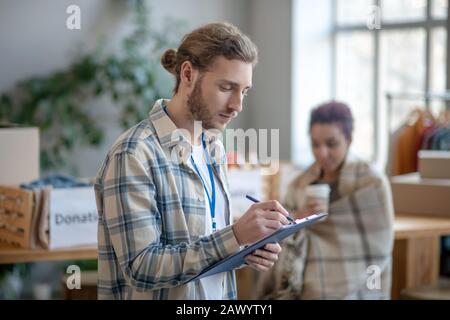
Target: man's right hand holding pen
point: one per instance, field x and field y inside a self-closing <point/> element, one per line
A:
<point x="260" y="220"/>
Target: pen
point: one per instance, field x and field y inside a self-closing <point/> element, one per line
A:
<point x="256" y="201"/>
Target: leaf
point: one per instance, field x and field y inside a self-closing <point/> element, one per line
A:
<point x="5" y="107"/>
<point x="98" y="88"/>
<point x="115" y="95"/>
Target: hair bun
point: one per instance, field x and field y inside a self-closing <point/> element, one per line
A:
<point x="169" y="60"/>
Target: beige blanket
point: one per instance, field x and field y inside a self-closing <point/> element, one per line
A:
<point x="348" y="255"/>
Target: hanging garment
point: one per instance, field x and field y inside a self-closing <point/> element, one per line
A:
<point x="393" y="140"/>
<point x="444" y="143"/>
<point x="406" y="158"/>
<point x="428" y="137"/>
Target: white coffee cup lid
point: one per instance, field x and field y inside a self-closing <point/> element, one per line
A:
<point x="318" y="190"/>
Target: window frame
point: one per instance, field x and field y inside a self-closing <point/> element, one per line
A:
<point x="428" y="24"/>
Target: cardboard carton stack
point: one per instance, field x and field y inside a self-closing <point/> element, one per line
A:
<point x="19" y="161"/>
<point x="43" y="217"/>
<point x="427" y="191"/>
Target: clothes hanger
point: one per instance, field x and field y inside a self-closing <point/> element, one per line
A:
<point x="414" y="116"/>
<point x="444" y="117"/>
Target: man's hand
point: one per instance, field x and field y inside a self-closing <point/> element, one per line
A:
<point x="264" y="259"/>
<point x="260" y="220"/>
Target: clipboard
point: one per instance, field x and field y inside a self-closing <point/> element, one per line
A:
<point x="235" y="260"/>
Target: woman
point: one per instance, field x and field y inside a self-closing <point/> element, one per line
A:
<point x="348" y="255"/>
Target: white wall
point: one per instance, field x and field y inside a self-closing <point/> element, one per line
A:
<point x="311" y="70"/>
<point x="35" y="41"/>
<point x="270" y="99"/>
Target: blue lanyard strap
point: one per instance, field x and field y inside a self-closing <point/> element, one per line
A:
<point x="211" y="199"/>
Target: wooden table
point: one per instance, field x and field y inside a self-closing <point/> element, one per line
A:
<point x="415" y="257"/>
<point x="416" y="254"/>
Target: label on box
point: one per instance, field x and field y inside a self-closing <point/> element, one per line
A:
<point x="242" y="183"/>
<point x="73" y="217"/>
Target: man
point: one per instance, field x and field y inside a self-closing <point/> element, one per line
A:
<point x="162" y="195"/>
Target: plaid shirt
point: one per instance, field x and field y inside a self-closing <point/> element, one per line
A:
<point x="151" y="229"/>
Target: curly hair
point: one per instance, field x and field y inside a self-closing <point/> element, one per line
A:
<point x="333" y="112"/>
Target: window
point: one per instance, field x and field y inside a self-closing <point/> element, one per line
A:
<point x="403" y="10"/>
<point x="402" y="67"/>
<point x="354" y="56"/>
<point x="406" y="54"/>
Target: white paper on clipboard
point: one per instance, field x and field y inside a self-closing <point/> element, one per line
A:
<point x="242" y="183"/>
<point x="238" y="258"/>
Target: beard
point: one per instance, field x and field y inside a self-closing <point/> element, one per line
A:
<point x="198" y="109"/>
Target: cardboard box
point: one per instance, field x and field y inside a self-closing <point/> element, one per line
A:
<point x="48" y="218"/>
<point x="73" y="217"/>
<point x="434" y="164"/>
<point x="253" y="186"/>
<point x="19" y="160"/>
<point x="17" y="208"/>
<point x="413" y="194"/>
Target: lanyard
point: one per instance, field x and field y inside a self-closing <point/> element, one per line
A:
<point x="212" y="198"/>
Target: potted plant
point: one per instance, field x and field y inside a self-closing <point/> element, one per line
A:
<point x="56" y="103"/>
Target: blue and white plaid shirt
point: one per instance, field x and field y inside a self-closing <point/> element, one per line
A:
<point x="151" y="229"/>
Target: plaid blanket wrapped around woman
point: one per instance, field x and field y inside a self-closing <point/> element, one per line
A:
<point x="346" y="256"/>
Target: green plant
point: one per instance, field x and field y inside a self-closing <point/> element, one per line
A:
<point x="57" y="103"/>
<point x="11" y="276"/>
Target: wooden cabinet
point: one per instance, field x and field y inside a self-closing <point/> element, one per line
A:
<point x="417" y="251"/>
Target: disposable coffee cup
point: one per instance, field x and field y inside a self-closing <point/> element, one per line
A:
<point x="318" y="192"/>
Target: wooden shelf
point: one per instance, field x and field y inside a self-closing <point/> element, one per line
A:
<point x="416" y="253"/>
<point x="414" y="226"/>
<point x="12" y="254"/>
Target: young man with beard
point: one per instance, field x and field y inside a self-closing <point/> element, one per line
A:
<point x="162" y="194"/>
